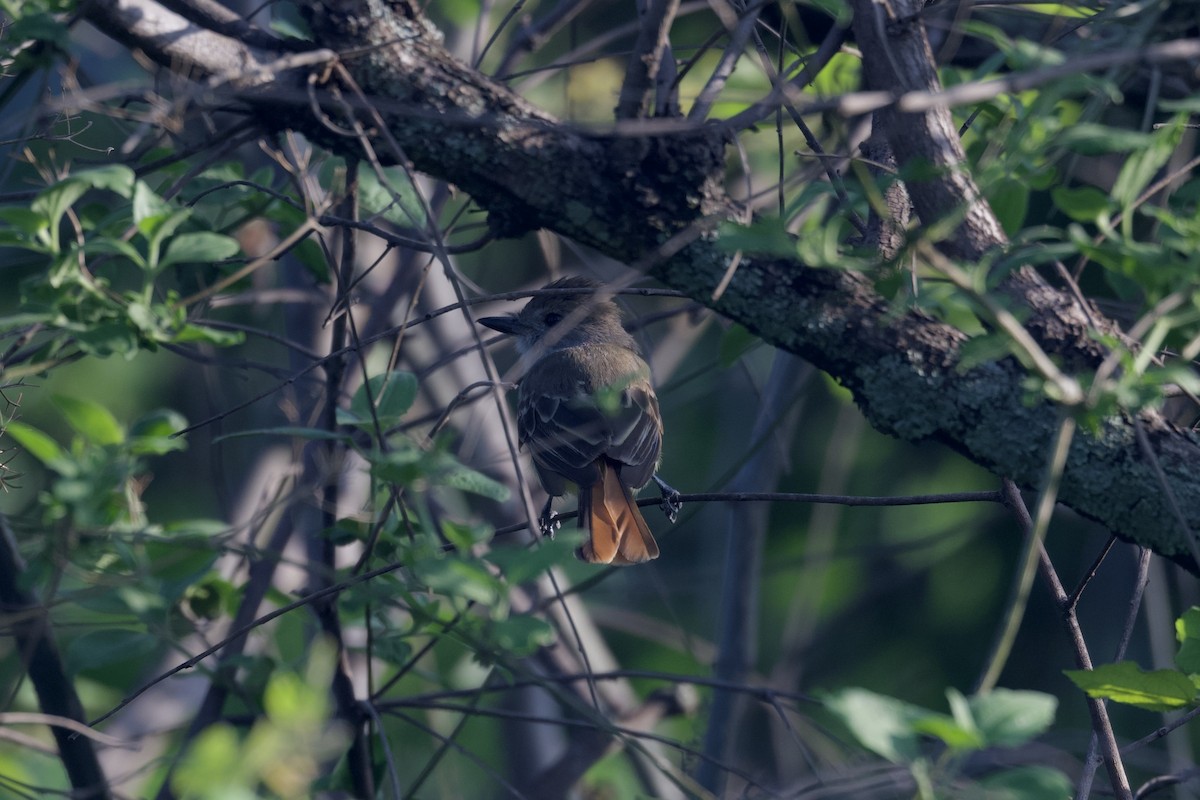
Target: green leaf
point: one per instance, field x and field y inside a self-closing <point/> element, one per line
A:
<point x="823" y="243"/>
<point x="292" y="637"/>
<point x="463" y="536"/>
<point x="209" y="599"/>
<point x="1091" y="139"/>
<point x="310" y="254"/>
<point x="52" y="204"/>
<point x="289" y="700"/>
<point x="1009" y="199"/>
<point x="843" y="72"/>
<point x="100" y="648"/>
<point x="456" y="577"/>
<point x="36" y="443"/>
<point x="288" y="23"/>
<point x="1060" y="10"/>
<point x="1126" y="682"/>
<point x="393" y="395"/>
<point x="54" y="201"/>
<point x="147" y="320"/>
<point x="468" y="480"/>
<point x="1026" y="783"/>
<point x="520" y="564"/>
<point x="767" y="236"/>
<point x="192" y="332"/>
<point x="40" y="26"/>
<point x="520" y="635"/>
<point x="26" y="220"/>
<point x="91" y="419"/>
<point x="403" y="465"/>
<point x="197" y="527"/>
<point x="881" y="724"/>
<point x="1008" y="718"/>
<point x="1187" y="632"/>
<point x="1082" y="204"/>
<point x="1026" y="54"/>
<point x="200" y="247"/>
<point x="960" y="709"/>
<point x="115" y="178"/>
<point x="1140" y="168"/>
<point x="345" y="531"/>
<point x="161" y="422"/>
<point x="157" y="229"/>
<point x="156" y="219"/>
<point x="148" y="207"/>
<point x="1176" y="374"/>
<point x="180" y="561"/>
<point x="109" y="246"/>
<point x="210" y="768"/>
<point x="108" y="338"/>
<point x="983" y="349"/>
<point x="153" y="434"/>
<point x="955" y="735"/>
<point x="397" y="201"/>
<point x="391" y="647"/>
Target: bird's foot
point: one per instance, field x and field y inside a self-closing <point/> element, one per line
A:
<point x="671" y="501"/>
<point x="548" y="521"/>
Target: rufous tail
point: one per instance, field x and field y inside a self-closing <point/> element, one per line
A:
<point x="618" y="531"/>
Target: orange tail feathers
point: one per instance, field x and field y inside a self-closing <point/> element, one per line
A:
<point x="618" y="531"/>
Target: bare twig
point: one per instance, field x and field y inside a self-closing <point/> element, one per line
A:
<point x="971" y="93"/>
<point x="534" y="35"/>
<point x="733" y="51"/>
<point x="1035" y="538"/>
<point x="1092" y="760"/>
<point x="642" y="69"/>
<point x="1101" y="725"/>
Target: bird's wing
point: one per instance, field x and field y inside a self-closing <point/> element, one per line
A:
<point x="565" y="434"/>
<point x="578" y="405"/>
<point x="636" y="434"/>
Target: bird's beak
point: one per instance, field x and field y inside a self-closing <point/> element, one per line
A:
<point x="510" y="325"/>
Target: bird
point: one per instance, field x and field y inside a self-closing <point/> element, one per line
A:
<point x="589" y="416"/>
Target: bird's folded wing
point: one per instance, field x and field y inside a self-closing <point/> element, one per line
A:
<point x="636" y="434"/>
<point x="567" y="434"/>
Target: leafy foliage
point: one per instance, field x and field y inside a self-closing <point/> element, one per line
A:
<point x="1159" y="690"/>
<point x="899" y="731"/>
<point x="108" y="306"/>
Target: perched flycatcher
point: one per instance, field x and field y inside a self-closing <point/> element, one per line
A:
<point x="588" y="414"/>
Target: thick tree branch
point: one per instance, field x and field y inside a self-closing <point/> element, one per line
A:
<point x="653" y="202"/>
<point x="171" y="40"/>
<point x="897" y="59"/>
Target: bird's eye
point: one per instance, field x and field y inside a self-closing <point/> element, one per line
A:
<point x="552" y="319"/>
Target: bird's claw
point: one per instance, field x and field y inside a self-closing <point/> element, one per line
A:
<point x="671" y="502"/>
<point x="548" y="523"/>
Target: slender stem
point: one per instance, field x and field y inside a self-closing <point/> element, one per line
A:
<point x="1101" y="725"/>
<point x="1029" y="561"/>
